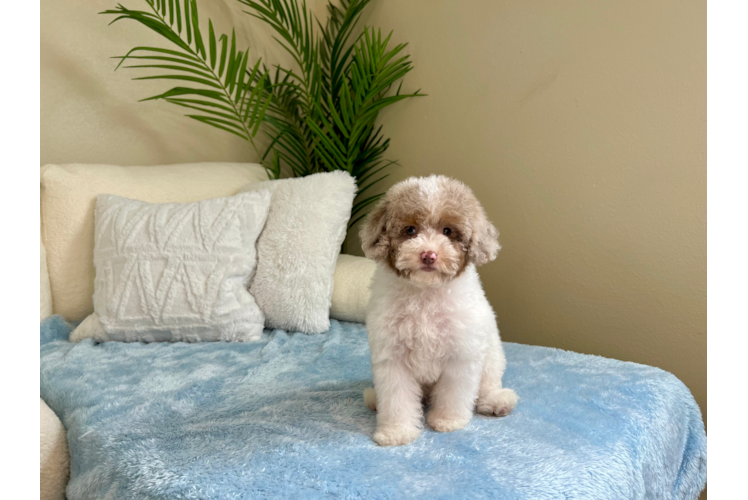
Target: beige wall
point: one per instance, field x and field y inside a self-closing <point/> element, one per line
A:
<point x="90" y="114"/>
<point x="581" y="126"/>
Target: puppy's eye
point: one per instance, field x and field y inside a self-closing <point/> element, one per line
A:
<point x="447" y="231"/>
<point x="411" y="230"/>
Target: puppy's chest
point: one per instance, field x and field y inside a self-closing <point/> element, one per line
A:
<point x="424" y="336"/>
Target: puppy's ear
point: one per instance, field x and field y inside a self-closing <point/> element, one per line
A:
<point x="484" y="242"/>
<point x="374" y="240"/>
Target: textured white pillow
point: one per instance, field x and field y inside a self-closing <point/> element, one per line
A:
<point x="298" y="249"/>
<point x="68" y="197"/>
<point x="176" y="272"/>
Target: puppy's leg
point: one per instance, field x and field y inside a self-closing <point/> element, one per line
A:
<point x="398" y="404"/>
<point x="370" y="396"/>
<point x="492" y="398"/>
<point x="453" y="396"/>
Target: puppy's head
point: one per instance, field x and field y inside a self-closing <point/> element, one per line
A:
<point x="428" y="229"/>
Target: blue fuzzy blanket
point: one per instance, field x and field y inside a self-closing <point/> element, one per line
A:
<point x="285" y="418"/>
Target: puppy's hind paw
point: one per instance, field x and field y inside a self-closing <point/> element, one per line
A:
<point x="370" y="398"/>
<point x="396" y="435"/>
<point x="499" y="403"/>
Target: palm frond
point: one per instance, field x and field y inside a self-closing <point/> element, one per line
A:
<point x="323" y="118"/>
<point x="216" y="84"/>
<point x="337" y="49"/>
<point x="320" y="115"/>
<point x="346" y="128"/>
<point x="294" y="25"/>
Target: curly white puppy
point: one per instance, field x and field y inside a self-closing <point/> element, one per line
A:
<point x="432" y="333"/>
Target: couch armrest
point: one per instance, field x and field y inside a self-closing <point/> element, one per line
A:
<point x="351" y="291"/>
<point x="45" y="292"/>
<point x="53" y="455"/>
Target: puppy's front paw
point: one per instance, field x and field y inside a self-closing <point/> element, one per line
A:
<point x="442" y="422"/>
<point x="499" y="403"/>
<point x="395" y="435"/>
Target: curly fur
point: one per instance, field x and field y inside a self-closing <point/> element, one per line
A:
<point x="432" y="333"/>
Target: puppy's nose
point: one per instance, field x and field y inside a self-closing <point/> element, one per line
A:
<point x="428" y="257"/>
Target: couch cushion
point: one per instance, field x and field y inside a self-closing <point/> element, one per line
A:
<point x="68" y="195"/>
<point x="45" y="293"/>
<point x="284" y="417"/>
<point x="54" y="461"/>
<point x="351" y="294"/>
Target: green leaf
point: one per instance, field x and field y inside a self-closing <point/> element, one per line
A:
<point x="215" y="123"/>
<point x="164" y="58"/>
<point x="276" y="166"/>
<point x="358" y="206"/>
<point x="224" y="42"/>
<point x="201" y="103"/>
<point x="186" y="104"/>
<point x="180" y="91"/>
<point x="187" y="21"/>
<point x="174" y="67"/>
<point x="372" y="183"/>
<point x="259" y="117"/>
<point x="363" y="178"/>
<point x="212" y="41"/>
<point x="230" y="70"/>
<point x="354" y="221"/>
<point x="202" y="81"/>
<point x="196" y="30"/>
<point x="178" y="15"/>
<point x="240" y="88"/>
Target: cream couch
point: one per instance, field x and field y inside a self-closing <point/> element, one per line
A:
<point x="627" y="430"/>
<point x="351" y="293"/>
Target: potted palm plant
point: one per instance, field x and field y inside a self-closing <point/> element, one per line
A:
<point x="319" y="115"/>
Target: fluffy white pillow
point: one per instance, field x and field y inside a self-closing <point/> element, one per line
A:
<point x="298" y="249"/>
<point x="68" y="196"/>
<point x="176" y="271"/>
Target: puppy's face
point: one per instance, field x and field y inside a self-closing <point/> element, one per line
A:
<point x="428" y="230"/>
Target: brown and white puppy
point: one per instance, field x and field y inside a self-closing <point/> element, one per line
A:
<point x="432" y="332"/>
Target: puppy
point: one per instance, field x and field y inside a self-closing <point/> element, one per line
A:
<point x="432" y="333"/>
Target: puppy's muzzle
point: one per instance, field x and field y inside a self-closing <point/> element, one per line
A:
<point x="428" y="257"/>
